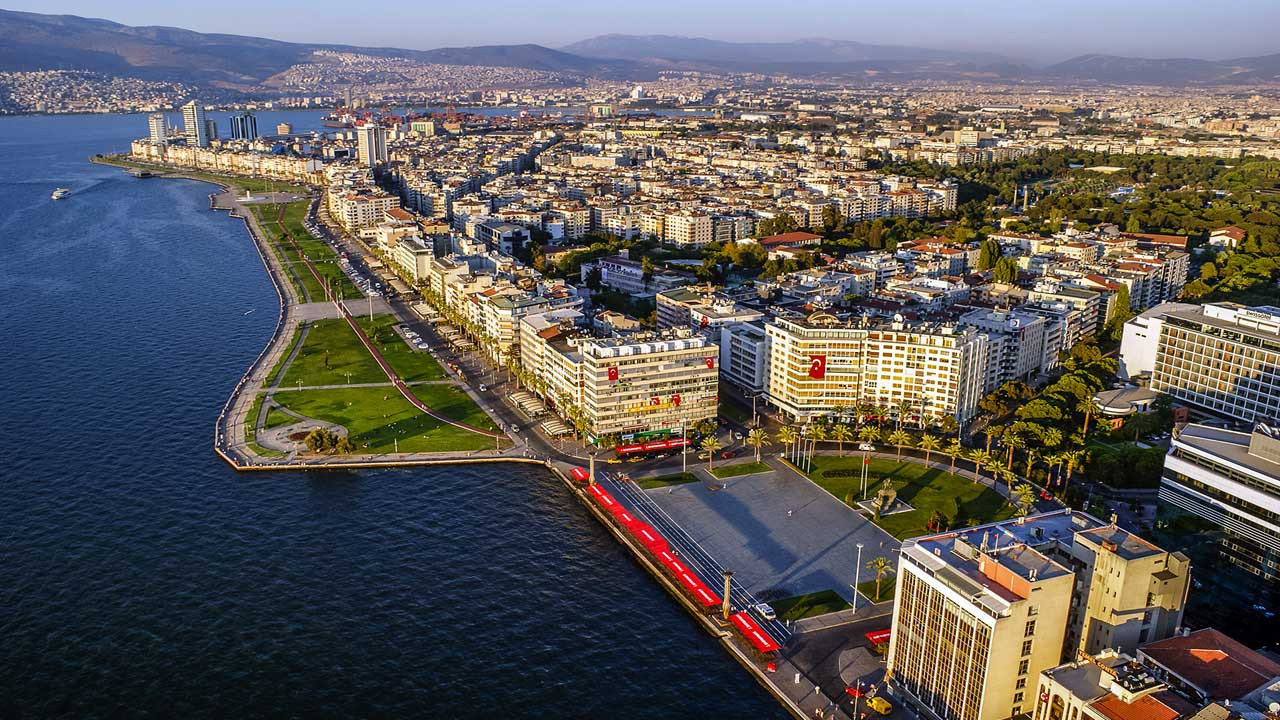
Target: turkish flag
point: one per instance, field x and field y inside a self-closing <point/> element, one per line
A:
<point x="817" y="366"/>
<point x="866" y="459"/>
<point x="703" y="322"/>
<point x="675" y="400"/>
<point x="613" y="374"/>
<point x="655" y="401"/>
<point x="711" y="362"/>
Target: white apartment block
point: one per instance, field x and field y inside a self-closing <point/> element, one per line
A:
<point x="818" y="364"/>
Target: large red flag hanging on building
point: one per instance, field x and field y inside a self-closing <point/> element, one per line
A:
<point x="711" y="362"/>
<point x="675" y="400"/>
<point x="817" y="366"/>
<point x="613" y="374"/>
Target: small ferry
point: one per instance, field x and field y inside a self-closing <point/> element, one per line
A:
<point x="60" y="193"/>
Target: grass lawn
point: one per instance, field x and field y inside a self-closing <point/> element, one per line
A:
<point x="887" y="586"/>
<point x="275" y="371"/>
<point x="451" y="401"/>
<point x="319" y="252"/>
<point x="728" y="471"/>
<point x="666" y="480"/>
<point x="345" y="354"/>
<point x="409" y="363"/>
<point x="803" y="606"/>
<point x="276" y="418"/>
<point x="251" y="420"/>
<point x="924" y="489"/>
<point x="373" y="423"/>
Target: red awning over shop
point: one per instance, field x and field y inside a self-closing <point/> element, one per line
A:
<point x="579" y="474"/>
<point x="754" y="633"/>
<point x="649" y="537"/>
<point x="879" y="636"/>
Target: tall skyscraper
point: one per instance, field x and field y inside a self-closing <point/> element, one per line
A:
<point x="371" y="143"/>
<point x="210" y="129"/>
<point x="193" y="124"/>
<point x="244" y="126"/>
<point x="159" y="129"/>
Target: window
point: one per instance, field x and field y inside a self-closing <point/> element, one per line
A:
<point x="1026" y="648"/>
<point x="1022" y="683"/>
<point x="1031" y="629"/>
<point x="1022" y="667"/>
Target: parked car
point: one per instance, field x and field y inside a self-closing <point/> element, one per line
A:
<point x="484" y="388"/>
<point x="765" y="611"/>
<point x="880" y="705"/>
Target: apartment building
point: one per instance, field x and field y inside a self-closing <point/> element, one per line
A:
<point x="1231" y="479"/>
<point x="687" y="228"/>
<point x="413" y="257"/>
<point x="820" y="363"/>
<point x="744" y="357"/>
<point x="980" y="613"/>
<point x="1223" y="357"/>
<point x="637" y="386"/>
<point x="1142" y="337"/>
<point x="1016" y="341"/>
<point x="1091" y="304"/>
<point x="357" y="210"/>
<point x="628" y="276"/>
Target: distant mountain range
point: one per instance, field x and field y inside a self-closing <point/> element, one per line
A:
<point x="32" y="41"/>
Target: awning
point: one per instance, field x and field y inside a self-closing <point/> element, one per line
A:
<point x="648" y="537"/>
<point x="579" y="474"/>
<point x="754" y="633"/>
<point x="879" y="636"/>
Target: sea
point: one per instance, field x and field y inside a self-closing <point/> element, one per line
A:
<point x="142" y="577"/>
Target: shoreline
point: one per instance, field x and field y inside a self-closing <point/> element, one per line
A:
<point x="240" y="401"/>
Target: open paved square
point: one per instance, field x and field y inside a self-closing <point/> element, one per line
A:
<point x="780" y="534"/>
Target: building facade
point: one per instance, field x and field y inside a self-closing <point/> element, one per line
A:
<point x="194" y="127"/>
<point x="1224" y="358"/>
<point x="1231" y="479"/>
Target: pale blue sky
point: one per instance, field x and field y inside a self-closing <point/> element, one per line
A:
<point x="1041" y="30"/>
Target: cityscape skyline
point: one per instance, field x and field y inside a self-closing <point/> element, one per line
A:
<point x="1037" y="34"/>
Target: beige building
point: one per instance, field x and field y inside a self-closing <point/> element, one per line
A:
<point x="820" y="363"/>
<point x="980" y="613"/>
<point x="635" y="387"/>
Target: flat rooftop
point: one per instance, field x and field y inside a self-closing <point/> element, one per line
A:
<point x="1229" y="445"/>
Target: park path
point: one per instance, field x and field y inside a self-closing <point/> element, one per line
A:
<point x="399" y="384"/>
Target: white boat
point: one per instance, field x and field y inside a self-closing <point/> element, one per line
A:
<point x="60" y="193"/>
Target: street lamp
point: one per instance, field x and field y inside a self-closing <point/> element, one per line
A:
<point x="857" y="571"/>
<point x="348" y="377"/>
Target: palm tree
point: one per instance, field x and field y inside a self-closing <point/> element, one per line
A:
<point x="1023" y="498"/>
<point x="902" y="410"/>
<point x="757" y="439"/>
<point x="1075" y="457"/>
<point x="899" y="438"/>
<point x="787" y="435"/>
<point x="1013" y="441"/>
<point x="868" y="434"/>
<point x="882" y="411"/>
<point x="865" y="410"/>
<point x="881" y="567"/>
<point x="954" y="449"/>
<point x="1032" y="455"/>
<point x="710" y="444"/>
<point x="928" y="444"/>
<point x="1086" y="406"/>
<point x="980" y="459"/>
<point x="840" y="433"/>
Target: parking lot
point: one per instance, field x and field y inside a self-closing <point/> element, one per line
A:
<point x="780" y="534"/>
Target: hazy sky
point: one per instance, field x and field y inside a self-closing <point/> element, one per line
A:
<point x="1041" y="30"/>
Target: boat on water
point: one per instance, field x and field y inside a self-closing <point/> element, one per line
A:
<point x="60" y="193"/>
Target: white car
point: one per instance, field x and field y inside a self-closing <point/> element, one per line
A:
<point x="484" y="388"/>
<point x="764" y="611"/>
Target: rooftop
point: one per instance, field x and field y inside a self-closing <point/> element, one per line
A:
<point x="1220" y="666"/>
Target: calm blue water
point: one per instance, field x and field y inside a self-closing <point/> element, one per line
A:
<point x="141" y="577"/>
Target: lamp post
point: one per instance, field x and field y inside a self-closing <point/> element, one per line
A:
<point x="728" y="576"/>
<point x="857" y="572"/>
<point x="684" y="448"/>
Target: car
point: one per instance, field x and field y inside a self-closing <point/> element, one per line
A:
<point x="866" y="447"/>
<point x="484" y="388"/>
<point x="515" y="428"/>
<point x="764" y="611"/>
<point x="880" y="705"/>
<point x="727" y="454"/>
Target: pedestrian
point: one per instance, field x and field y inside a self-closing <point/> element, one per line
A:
<point x="789" y="513"/>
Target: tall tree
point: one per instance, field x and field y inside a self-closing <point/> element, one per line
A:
<point x="899" y="438"/>
<point x="710" y="444"/>
<point x="757" y="439"/>
<point x="928" y="444"/>
<point x="881" y="567"/>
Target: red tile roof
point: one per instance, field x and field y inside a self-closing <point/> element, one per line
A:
<point x="1222" y="667"/>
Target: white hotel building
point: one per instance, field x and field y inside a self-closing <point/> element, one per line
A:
<point x="939" y="368"/>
